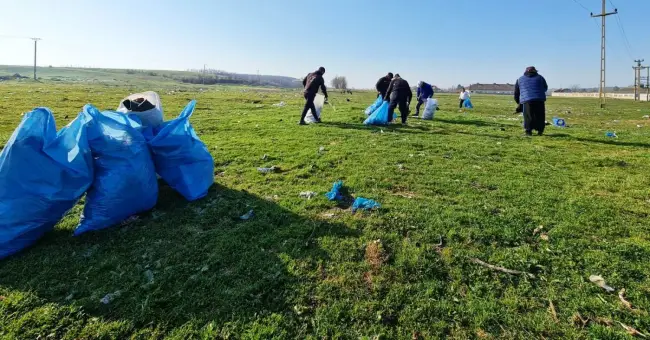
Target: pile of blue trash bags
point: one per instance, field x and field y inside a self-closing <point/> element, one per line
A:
<point x="378" y="113"/>
<point x="109" y="156"/>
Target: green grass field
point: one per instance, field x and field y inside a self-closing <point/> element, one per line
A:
<point x="464" y="186"/>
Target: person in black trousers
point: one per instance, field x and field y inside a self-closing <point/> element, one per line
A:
<point x="382" y="84"/>
<point x="530" y="93"/>
<point x="312" y="82"/>
<point x="399" y="93"/>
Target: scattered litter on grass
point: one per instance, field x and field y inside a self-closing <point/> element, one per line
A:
<point x="335" y="193"/>
<point x="321" y="149"/>
<point x="247" y="216"/>
<point x="498" y="143"/>
<point x="149" y="276"/>
<point x="400" y="167"/>
<point x="639" y="126"/>
<point x="631" y="331"/>
<point x="538" y="230"/>
<point x="611" y="134"/>
<point x="108" y="298"/>
<point x="364" y="204"/>
<point x="268" y="170"/>
<point x="544" y="236"/>
<point x="559" y="122"/>
<point x="501" y="269"/>
<point x="265" y="157"/>
<point x="308" y="194"/>
<point x="205" y="268"/>
<point x="280" y="104"/>
<point x="600" y="282"/>
<point x="646" y="116"/>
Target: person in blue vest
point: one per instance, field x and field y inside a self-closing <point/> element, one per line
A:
<point x="530" y="93"/>
<point x="425" y="91"/>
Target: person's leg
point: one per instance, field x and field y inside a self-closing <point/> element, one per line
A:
<point x="460" y="104"/>
<point x="403" y="109"/>
<point x="528" y="119"/>
<point x="309" y="105"/>
<point x="394" y="100"/>
<point x="417" y="107"/>
<point x="540" y="117"/>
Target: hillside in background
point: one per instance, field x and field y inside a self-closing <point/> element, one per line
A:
<point x="134" y="77"/>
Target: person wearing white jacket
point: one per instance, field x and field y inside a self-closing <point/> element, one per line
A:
<point x="464" y="94"/>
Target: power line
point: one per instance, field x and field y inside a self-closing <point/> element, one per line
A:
<point x="583" y="6"/>
<point x="626" y="41"/>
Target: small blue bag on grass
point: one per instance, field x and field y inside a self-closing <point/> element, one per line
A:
<point x="181" y="159"/>
<point x="380" y="116"/>
<point x="364" y="204"/>
<point x="335" y="193"/>
<point x="42" y="175"/>
<point x="125" y="181"/>
<point x="374" y="106"/>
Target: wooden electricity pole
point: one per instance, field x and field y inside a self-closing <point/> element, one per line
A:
<point x="35" y="43"/>
<point x="602" y="89"/>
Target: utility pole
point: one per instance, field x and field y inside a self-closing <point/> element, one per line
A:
<point x="204" y="69"/>
<point x="35" y="43"/>
<point x="602" y="89"/>
<point x="637" y="79"/>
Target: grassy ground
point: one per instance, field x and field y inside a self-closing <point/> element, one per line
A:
<point x="311" y="269"/>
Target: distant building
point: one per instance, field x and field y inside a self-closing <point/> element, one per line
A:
<point x="492" y="88"/>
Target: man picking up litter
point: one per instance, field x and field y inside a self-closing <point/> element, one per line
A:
<point x="312" y="82"/>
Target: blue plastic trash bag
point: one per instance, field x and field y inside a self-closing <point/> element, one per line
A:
<point x="181" y="159"/>
<point x="125" y="181"/>
<point x="42" y="175"/>
<point x="380" y="116"/>
<point x="364" y="204"/>
<point x="559" y="122"/>
<point x="374" y="106"/>
<point x="468" y="104"/>
<point x="611" y="134"/>
<point x="335" y="193"/>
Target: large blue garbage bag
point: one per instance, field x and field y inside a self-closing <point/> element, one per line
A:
<point x="468" y="104"/>
<point x="181" y="159"/>
<point x="380" y="116"/>
<point x="42" y="175"/>
<point x="374" y="105"/>
<point x="125" y="181"/>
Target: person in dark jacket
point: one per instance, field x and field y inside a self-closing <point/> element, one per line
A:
<point x="425" y="91"/>
<point x="399" y="93"/>
<point x="530" y="92"/>
<point x="382" y="84"/>
<point x="312" y="82"/>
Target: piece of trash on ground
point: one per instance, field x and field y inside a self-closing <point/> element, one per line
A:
<point x="247" y="216"/>
<point x="265" y="157"/>
<point x="600" y="282"/>
<point x="268" y="170"/>
<point x="627" y="304"/>
<point x="364" y="204"/>
<point x="149" y="276"/>
<point x="559" y="122"/>
<point x="280" y="104"/>
<point x="611" y="134"/>
<point x="308" y="194"/>
<point x="646" y="117"/>
<point x="321" y="149"/>
<point x="108" y="298"/>
<point x="335" y="193"/>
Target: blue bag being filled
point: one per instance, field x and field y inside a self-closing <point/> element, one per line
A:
<point x="374" y="106"/>
<point x="468" y="104"/>
<point x="181" y="159"/>
<point x="379" y="116"/>
<point x="125" y="181"/>
<point x="42" y="175"/>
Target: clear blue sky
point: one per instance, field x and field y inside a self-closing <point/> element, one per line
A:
<point x="443" y="42"/>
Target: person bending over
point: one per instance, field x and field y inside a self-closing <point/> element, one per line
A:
<point x="425" y="91"/>
<point x="399" y="94"/>
<point x="530" y="92"/>
<point x="312" y="82"/>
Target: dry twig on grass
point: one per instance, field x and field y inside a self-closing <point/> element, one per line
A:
<point x="631" y="331"/>
<point x="551" y="308"/>
<point x="627" y="304"/>
<point x="501" y="269"/>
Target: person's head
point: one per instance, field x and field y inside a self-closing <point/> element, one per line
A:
<point x="420" y="83"/>
<point x="390" y="75"/>
<point x="531" y="69"/>
<point x="321" y="70"/>
<point x="462" y="89"/>
<point x="397" y="75"/>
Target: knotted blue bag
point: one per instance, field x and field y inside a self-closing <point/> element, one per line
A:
<point x="42" y="175"/>
<point x="374" y="105"/>
<point x="181" y="159"/>
<point x="379" y="116"/>
<point x="125" y="181"/>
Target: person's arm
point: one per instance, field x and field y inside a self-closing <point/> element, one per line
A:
<point x="304" y="81"/>
<point x="545" y="85"/>
<point x="378" y="85"/>
<point x="418" y="93"/>
<point x="517" y="92"/>
<point x="390" y="89"/>
<point x="410" y="94"/>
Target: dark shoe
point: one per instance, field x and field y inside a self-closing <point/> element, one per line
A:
<point x="302" y="123"/>
<point x="529" y="133"/>
<point x="540" y="133"/>
<point x="318" y="120"/>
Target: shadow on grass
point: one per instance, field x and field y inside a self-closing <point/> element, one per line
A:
<point x="184" y="262"/>
<point x="472" y="122"/>
<point x="397" y="127"/>
<point x="599" y="141"/>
